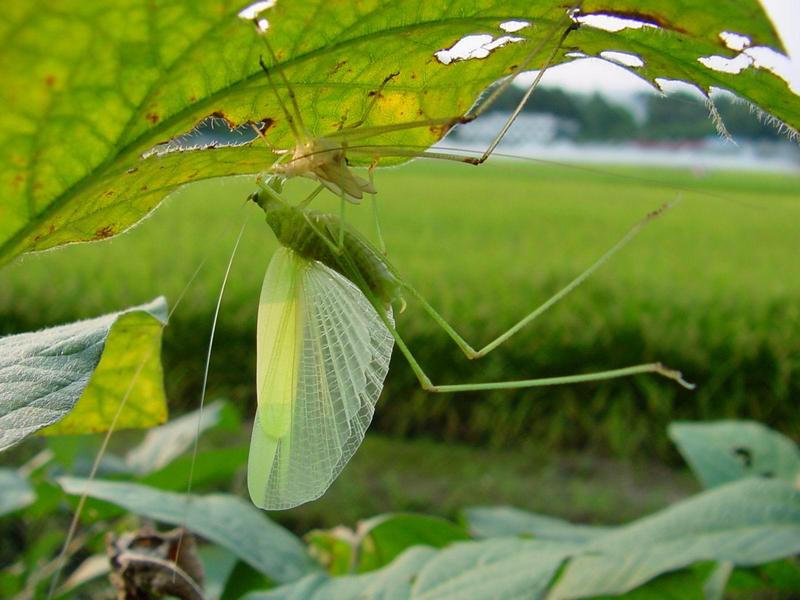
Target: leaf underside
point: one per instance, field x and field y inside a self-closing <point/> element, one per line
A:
<point x="73" y="378"/>
<point x="89" y="89"/>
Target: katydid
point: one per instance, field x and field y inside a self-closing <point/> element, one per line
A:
<point x="325" y="336"/>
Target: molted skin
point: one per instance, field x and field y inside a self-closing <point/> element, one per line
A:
<point x="324" y="161"/>
<point x="360" y="261"/>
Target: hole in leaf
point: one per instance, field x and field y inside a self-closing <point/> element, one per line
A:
<point x="735" y="41"/>
<point x="722" y="64"/>
<point x="758" y="57"/>
<point x="212" y="132"/>
<point x="744" y="455"/>
<point x="613" y="23"/>
<point x="474" y="46"/>
<point x="512" y="26"/>
<point x="623" y="58"/>
<point x="251" y="12"/>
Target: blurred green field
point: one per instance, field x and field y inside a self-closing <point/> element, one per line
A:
<point x="711" y="288"/>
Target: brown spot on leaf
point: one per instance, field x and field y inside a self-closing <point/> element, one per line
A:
<point x="39" y="236"/>
<point x="192" y="98"/>
<point x="104" y="232"/>
<point x="50" y="80"/>
<point x="143" y="188"/>
<point x="152" y="117"/>
<point x="439" y="131"/>
<point x="265" y="124"/>
<point x="337" y="66"/>
<point x="513" y="68"/>
<point x="108" y="194"/>
<point x="218" y="114"/>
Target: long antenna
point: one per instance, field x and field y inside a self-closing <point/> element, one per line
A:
<point x="472" y="115"/>
<point x="295" y="120"/>
<point x="204" y="388"/>
<point x="73" y="527"/>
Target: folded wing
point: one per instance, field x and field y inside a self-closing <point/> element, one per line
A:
<point x="323" y="354"/>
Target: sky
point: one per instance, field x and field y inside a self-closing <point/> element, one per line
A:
<point x="592" y="74"/>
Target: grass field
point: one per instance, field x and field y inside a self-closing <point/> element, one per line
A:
<point x="711" y="288"/>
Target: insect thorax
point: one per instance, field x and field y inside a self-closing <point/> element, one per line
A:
<point x="360" y="261"/>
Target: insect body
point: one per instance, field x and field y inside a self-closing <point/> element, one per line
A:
<point x="323" y="353"/>
<point x="325" y="336"/>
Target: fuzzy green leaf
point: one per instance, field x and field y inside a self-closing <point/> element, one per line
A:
<point x="500" y="521"/>
<point x="227" y="520"/>
<point x="72" y="378"/>
<point x="15" y="491"/>
<point x="724" y="451"/>
<point x="89" y="88"/>
<point x="747" y="522"/>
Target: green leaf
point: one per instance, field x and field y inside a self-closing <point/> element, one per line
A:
<point x="777" y="576"/>
<point x="218" y="564"/>
<point x="163" y="444"/>
<point x="686" y="584"/>
<point x="724" y="451"/>
<point x="88" y="91"/>
<point x="385" y="537"/>
<point x="221" y="518"/>
<point x="333" y="548"/>
<point x="15" y="491"/>
<point x="244" y="579"/>
<point x="211" y="467"/>
<point x="667" y="55"/>
<point x="693" y="18"/>
<point x="503" y="521"/>
<point x="391" y="582"/>
<point x="496" y="568"/>
<point x="746" y="522"/>
<point x="73" y="378"/>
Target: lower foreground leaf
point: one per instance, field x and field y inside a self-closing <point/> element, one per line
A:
<point x="221" y="518"/>
<point x="747" y="522"/>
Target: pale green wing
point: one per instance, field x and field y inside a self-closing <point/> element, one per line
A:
<point x="323" y="354"/>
